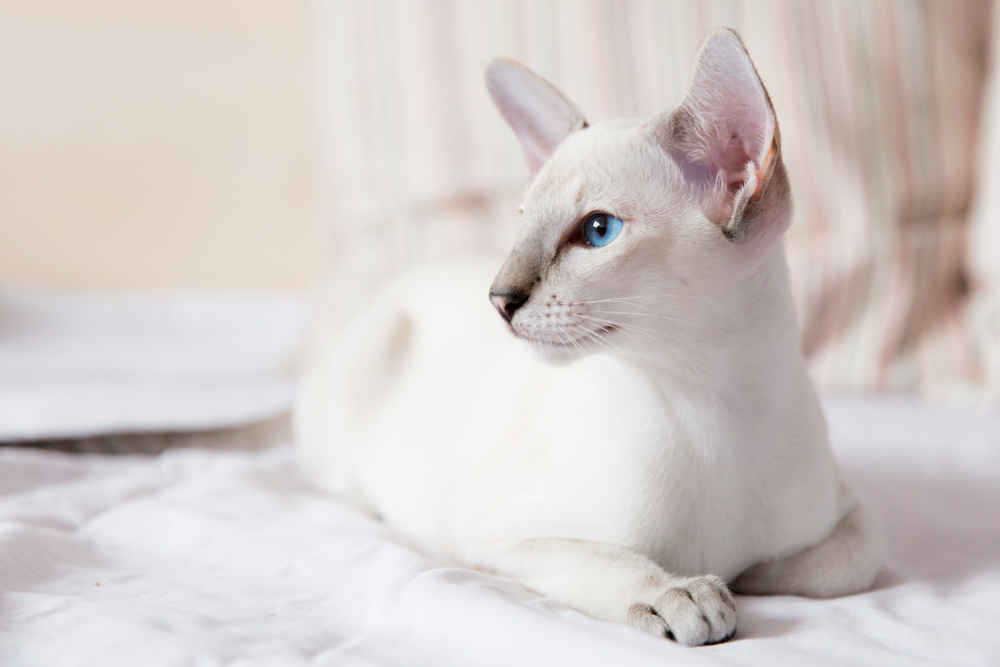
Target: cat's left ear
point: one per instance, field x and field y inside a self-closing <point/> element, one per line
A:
<point x="724" y="136"/>
<point x="539" y="114"/>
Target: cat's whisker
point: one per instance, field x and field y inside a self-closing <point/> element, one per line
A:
<point x="579" y="347"/>
<point x="634" y="327"/>
<point x="573" y="342"/>
<point x="624" y="329"/>
<point x="607" y="344"/>
<point x="642" y="310"/>
<point x="600" y="340"/>
<point x="637" y="297"/>
<point x="646" y="295"/>
<point x="657" y="336"/>
<point x="669" y="319"/>
<point x="652" y="333"/>
<point x="594" y="336"/>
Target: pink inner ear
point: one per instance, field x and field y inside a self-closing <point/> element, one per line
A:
<point x="539" y="114"/>
<point x="732" y="159"/>
<point x="718" y="156"/>
<point x="724" y="127"/>
<point x="539" y="130"/>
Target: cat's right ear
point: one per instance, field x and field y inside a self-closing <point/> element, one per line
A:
<point x="539" y="114"/>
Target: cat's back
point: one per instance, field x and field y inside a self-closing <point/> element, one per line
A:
<point x="421" y="385"/>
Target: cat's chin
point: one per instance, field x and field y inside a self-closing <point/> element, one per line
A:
<point x="556" y="354"/>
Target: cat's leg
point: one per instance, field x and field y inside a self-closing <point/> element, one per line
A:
<point x="614" y="584"/>
<point x="845" y="562"/>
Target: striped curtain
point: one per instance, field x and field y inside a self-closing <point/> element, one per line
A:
<point x="879" y="109"/>
<point x="982" y="315"/>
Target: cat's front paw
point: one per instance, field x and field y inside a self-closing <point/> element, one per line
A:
<point x="693" y="612"/>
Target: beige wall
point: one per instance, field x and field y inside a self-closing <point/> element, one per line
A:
<point x="158" y="144"/>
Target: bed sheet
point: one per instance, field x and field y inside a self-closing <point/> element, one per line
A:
<point x="74" y="365"/>
<point x="207" y="558"/>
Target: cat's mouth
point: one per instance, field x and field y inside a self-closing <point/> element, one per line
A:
<point x="569" y="339"/>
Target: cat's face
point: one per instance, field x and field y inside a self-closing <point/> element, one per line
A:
<point x="589" y="291"/>
<point x="631" y="237"/>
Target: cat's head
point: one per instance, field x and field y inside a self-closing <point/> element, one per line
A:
<point x="636" y="233"/>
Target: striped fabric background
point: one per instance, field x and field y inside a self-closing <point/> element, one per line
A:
<point x="879" y="109"/>
<point x="982" y="313"/>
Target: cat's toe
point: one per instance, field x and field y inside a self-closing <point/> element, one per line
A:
<point x="698" y="611"/>
<point x="644" y="617"/>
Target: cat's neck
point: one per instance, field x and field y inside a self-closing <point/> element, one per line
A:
<point x="749" y="341"/>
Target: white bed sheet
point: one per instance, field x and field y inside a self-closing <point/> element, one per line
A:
<point x="74" y="365"/>
<point x="212" y="558"/>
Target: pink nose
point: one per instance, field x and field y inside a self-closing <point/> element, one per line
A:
<point x="507" y="303"/>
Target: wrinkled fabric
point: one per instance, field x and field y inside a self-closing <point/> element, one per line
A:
<point x="197" y="557"/>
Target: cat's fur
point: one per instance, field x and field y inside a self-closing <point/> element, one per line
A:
<point x="683" y="447"/>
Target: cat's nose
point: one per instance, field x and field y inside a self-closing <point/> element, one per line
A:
<point x="507" y="303"/>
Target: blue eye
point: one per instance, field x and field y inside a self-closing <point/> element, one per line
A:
<point x="600" y="229"/>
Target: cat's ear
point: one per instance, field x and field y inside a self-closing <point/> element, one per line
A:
<point x="539" y="114"/>
<point x="724" y="135"/>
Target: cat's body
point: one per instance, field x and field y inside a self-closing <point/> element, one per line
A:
<point x="683" y="440"/>
<point x="598" y="450"/>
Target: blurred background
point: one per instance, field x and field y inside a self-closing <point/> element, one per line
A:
<point x="158" y="145"/>
<point x="189" y="188"/>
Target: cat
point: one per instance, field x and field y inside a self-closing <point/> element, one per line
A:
<point x="634" y="427"/>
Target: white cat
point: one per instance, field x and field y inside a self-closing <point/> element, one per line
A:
<point x="675" y="443"/>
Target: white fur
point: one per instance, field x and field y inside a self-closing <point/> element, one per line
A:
<point x="648" y="462"/>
